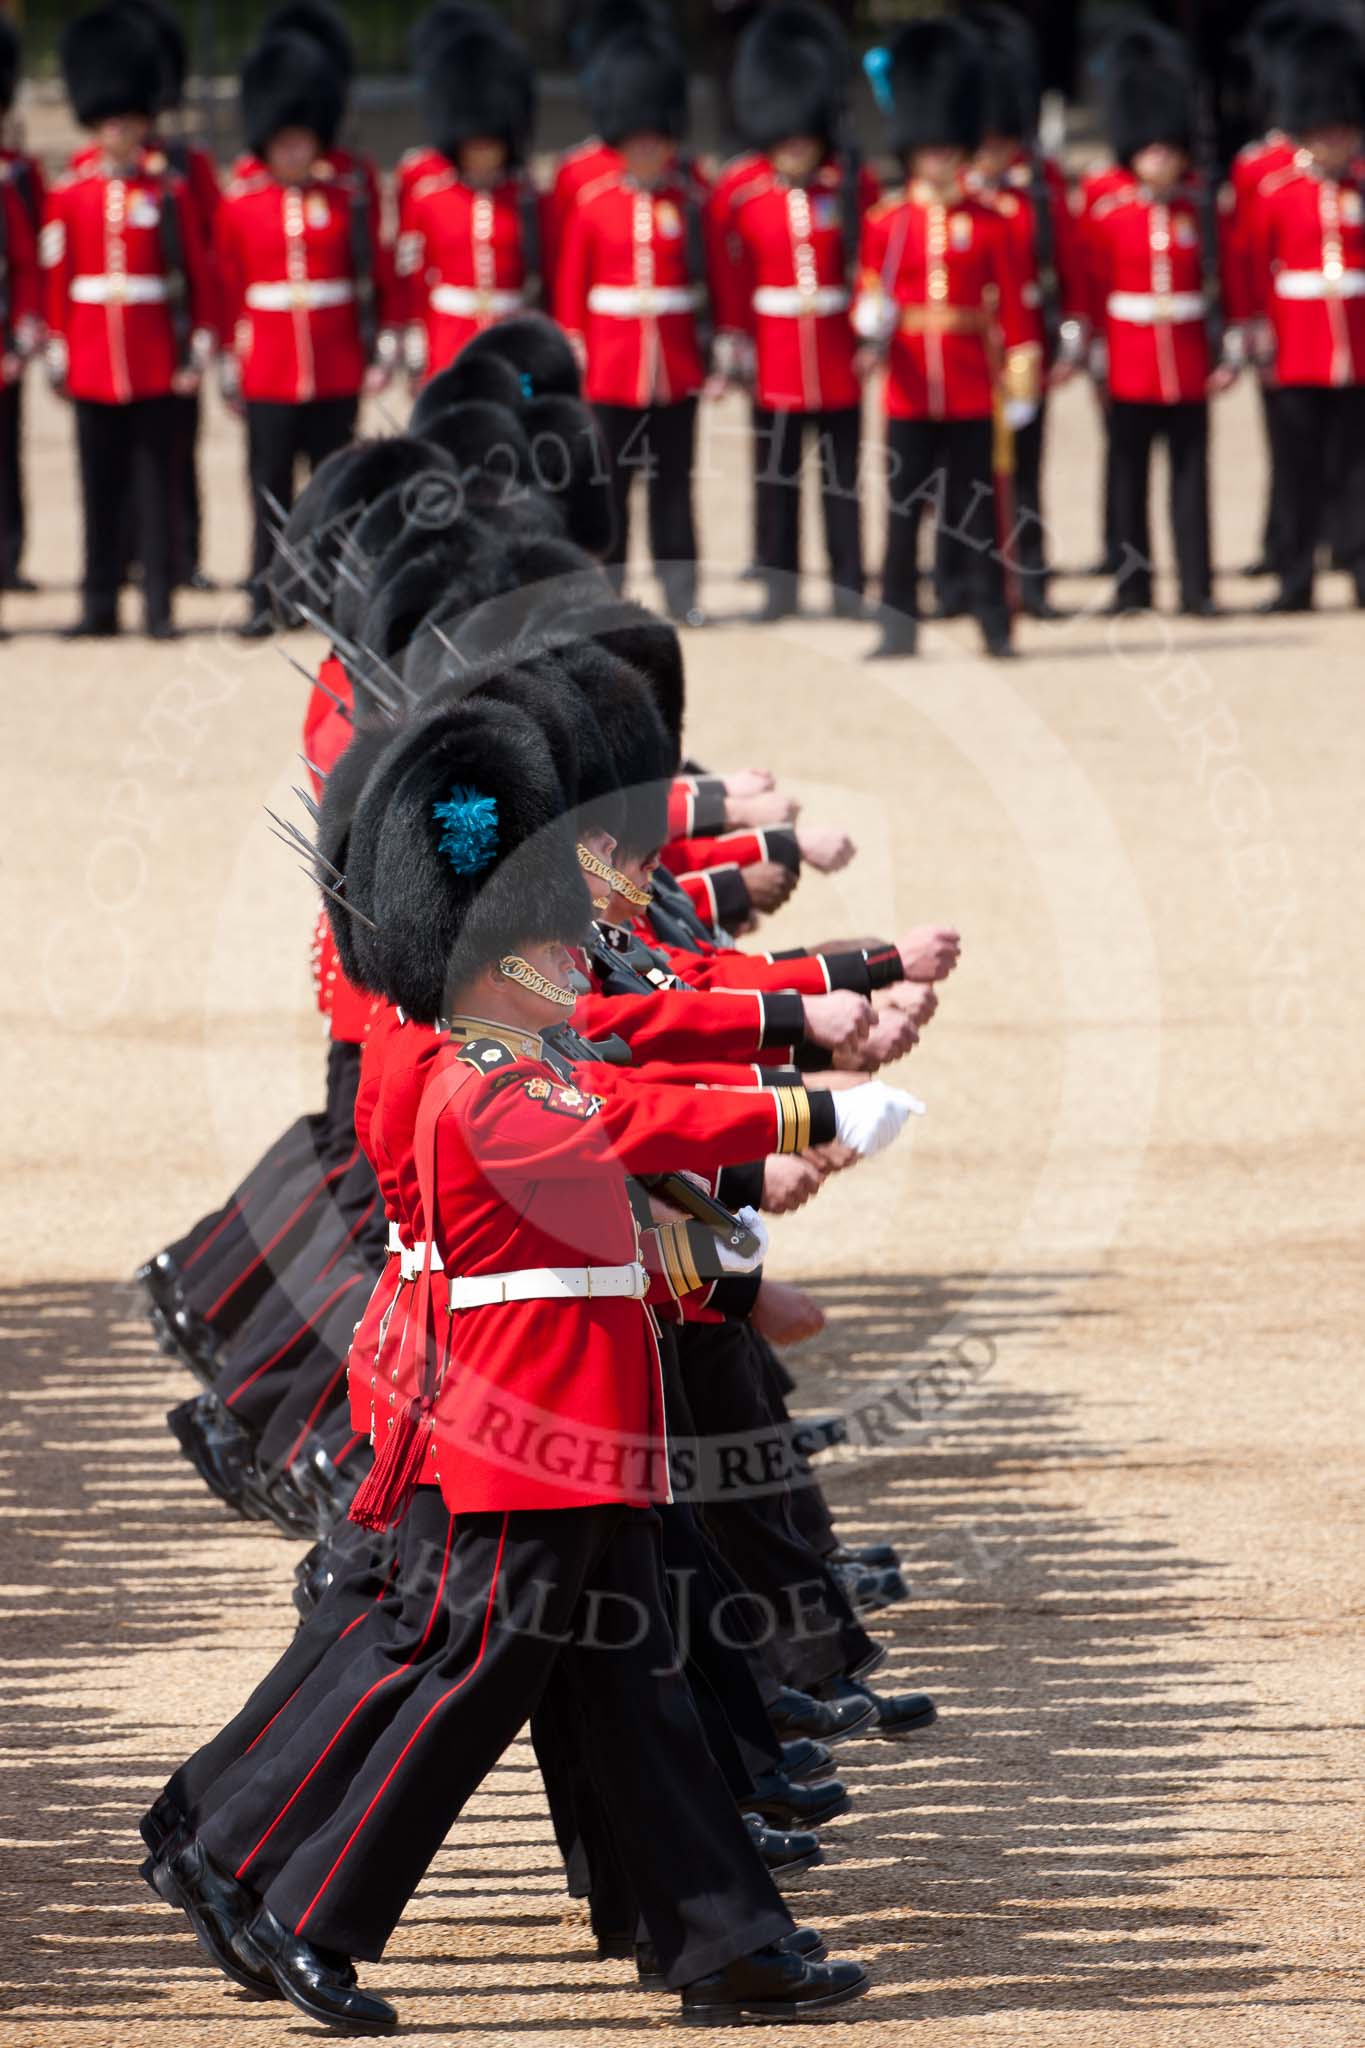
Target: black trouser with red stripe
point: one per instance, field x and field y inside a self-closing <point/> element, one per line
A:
<point x="944" y="467"/>
<point x="658" y="443"/>
<point x="116" y="444"/>
<point x="339" y="1825"/>
<point x="1323" y="470"/>
<point x="779" y="443"/>
<point x="278" y="438"/>
<point x="1134" y="430"/>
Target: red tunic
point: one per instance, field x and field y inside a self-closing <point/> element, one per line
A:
<point x="19" y="286"/>
<point x="461" y="262"/>
<point x="946" y="268"/>
<point x="289" y="285"/>
<point x="1309" y="267"/>
<point x="1147" y="284"/>
<point x="623" y="289"/>
<point x="782" y="279"/>
<point x="1015" y="198"/>
<point x="581" y="167"/>
<point x="104" y="270"/>
<point x="1250" y="168"/>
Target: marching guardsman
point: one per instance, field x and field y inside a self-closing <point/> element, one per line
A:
<point x="631" y="284"/>
<point x="586" y="162"/>
<point x="942" y="300"/>
<point x="1309" y="275"/>
<point x="1031" y="194"/>
<point x="469" y="229"/>
<point x="21" y="179"/>
<point x="787" y="219"/>
<point x="1147" y="264"/>
<point x="306" y="282"/>
<point x="129" y="311"/>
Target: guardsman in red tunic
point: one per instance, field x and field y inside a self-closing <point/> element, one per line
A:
<point x="530" y="1400"/>
<point x="1031" y="194"/>
<point x="1309" y="275"/>
<point x="630" y="286"/>
<point x="786" y="219"/>
<point x="942" y="300"/>
<point x="469" y="226"/>
<point x="306" y="281"/>
<point x="21" y="178"/>
<point x="129" y="310"/>
<point x="1148" y="266"/>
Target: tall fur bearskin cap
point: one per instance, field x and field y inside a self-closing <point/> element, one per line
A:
<point x="589" y="26"/>
<point x="289" y="81"/>
<point x="649" y="643"/>
<point x="467" y="853"/>
<point x="570" y="464"/>
<point x="477" y="376"/>
<point x="1318" y="77"/>
<point x="481" y="436"/>
<point x="323" y="24"/>
<point x="1148" y="100"/>
<point x="11" y="57"/>
<point x="938" y="86"/>
<point x="111" y="64"/>
<point x="791" y="74"/>
<point x="437" y="24"/>
<point x="340" y="794"/>
<point x="636" y="84"/>
<point x="1013" y="81"/>
<point x="327" y="510"/>
<point x="157" y="19"/>
<point x="640" y="747"/>
<point x="477" y="80"/>
<point x="537" y="349"/>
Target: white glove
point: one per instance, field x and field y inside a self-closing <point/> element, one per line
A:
<point x="1019" y="413"/>
<point x="875" y="317"/>
<point x="739" y="1262"/>
<point x="869" y="1117"/>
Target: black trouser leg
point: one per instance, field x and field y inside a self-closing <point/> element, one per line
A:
<point x="1132" y="429"/>
<point x="155" y="488"/>
<point x="777" y="499"/>
<point x="521" y="1592"/>
<point x="623" y="433"/>
<point x="672" y="519"/>
<point x="272" y="443"/>
<point x="11" y="479"/>
<point x="1028" y="541"/>
<point x="188" y="513"/>
<point x="1187" y="447"/>
<point x="915" y="480"/>
<point x="104" y="440"/>
<point x="969" y="514"/>
<point x="841" y="440"/>
<point x="1272" y="531"/>
<point x="326" y="424"/>
<point x="1306" y="421"/>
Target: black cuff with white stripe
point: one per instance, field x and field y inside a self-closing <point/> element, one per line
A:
<point x="708" y="807"/>
<point x="731" y="904"/>
<point x="784" y="1019"/>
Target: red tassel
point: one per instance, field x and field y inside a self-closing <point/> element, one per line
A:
<point x="387" y="1491"/>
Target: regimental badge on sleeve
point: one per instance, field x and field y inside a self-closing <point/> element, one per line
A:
<point x="563" y="1101"/>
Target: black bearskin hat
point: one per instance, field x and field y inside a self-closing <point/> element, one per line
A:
<point x="479" y="435"/>
<point x="479" y="376"/>
<point x="112" y="66"/>
<point x="640" y="746"/>
<point x="570" y="464"/>
<point x="326" y="511"/>
<point x="600" y="20"/>
<point x="11" y="53"/>
<point x="340" y="794"/>
<point x="790" y="75"/>
<point x="322" y="24"/>
<point x="634" y="634"/>
<point x="288" y="81"/>
<point x="1013" y="83"/>
<point x="544" y="688"/>
<point x="436" y="24"/>
<point x="636" y="84"/>
<point x="537" y="349"/>
<point x="938" y="86"/>
<point x="467" y="852"/>
<point x="477" y="80"/>
<point x="1148" y="102"/>
<point x="169" y="37"/>
<point x="1319" y="78"/>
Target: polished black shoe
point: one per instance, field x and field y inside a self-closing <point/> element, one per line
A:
<point x="1286" y="601"/>
<point x="162" y="1282"/>
<point x="781" y="1804"/>
<point x="869" y="1590"/>
<point x="833" y="1720"/>
<point x="849" y="604"/>
<point x="896" y="1713"/>
<point x="1042" y="608"/>
<point x="198" y="580"/>
<point x="22" y="586"/>
<point x="217" y="1908"/>
<point x="1262" y="566"/>
<point x="881" y="1557"/>
<point x="256" y="626"/>
<point x="1121" y="607"/>
<point x="785" y="1851"/>
<point x="196" y="1343"/>
<point x="326" y="1492"/>
<point x="162" y="1821"/>
<point x="1202" y="608"/>
<point x="320" y="1983"/>
<point x="162" y="629"/>
<point x="91" y="628"/>
<point x="898" y="643"/>
<point x="805" y="1942"/>
<point x="270" y="1496"/>
<point x="806" y="1762"/>
<point x="771" y="1984"/>
<point x="997" y="645"/>
<point x="774" y="608"/>
<point x="219" y="1449"/>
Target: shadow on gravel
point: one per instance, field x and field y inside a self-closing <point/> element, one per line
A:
<point x="1025" y="1856"/>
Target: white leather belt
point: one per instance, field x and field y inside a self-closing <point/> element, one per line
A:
<point x="551" y="1283"/>
<point x="1319" y="284"/>
<point x="627" y="302"/>
<point x="1148" y="309"/>
<point x="468" y="302"/>
<point x="308" y="294"/>
<point x="413" y="1257"/>
<point x="116" y="289"/>
<point x="788" y="301"/>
